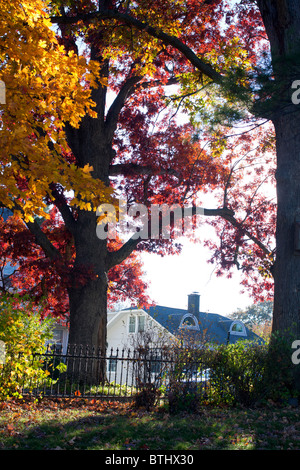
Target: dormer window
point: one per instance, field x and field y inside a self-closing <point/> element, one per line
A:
<point x="189" y="321"/>
<point x="238" y="328"/>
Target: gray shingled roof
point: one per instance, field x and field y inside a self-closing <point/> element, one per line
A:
<point x="212" y="327"/>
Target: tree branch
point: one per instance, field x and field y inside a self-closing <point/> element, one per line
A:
<point x="44" y="242"/>
<point x="228" y="214"/>
<point x="233" y="221"/>
<point x="129" y="87"/>
<point x="114" y="110"/>
<point x="173" y="41"/>
<point x="135" y="169"/>
<point x="64" y="209"/>
<point x="116" y="257"/>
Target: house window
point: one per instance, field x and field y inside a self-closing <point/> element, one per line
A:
<point x="136" y="323"/>
<point x="56" y="343"/>
<point x="141" y="324"/>
<point x="189" y="321"/>
<point x="155" y="366"/>
<point x="238" y="328"/>
<point x="132" y="324"/>
<point x="112" y="365"/>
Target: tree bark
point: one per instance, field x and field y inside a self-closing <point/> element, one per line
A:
<point x="286" y="317"/>
<point x="88" y="289"/>
<point x="282" y="19"/>
<point x="88" y="300"/>
<point x="88" y="314"/>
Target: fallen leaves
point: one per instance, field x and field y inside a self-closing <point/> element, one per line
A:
<point x="78" y="423"/>
<point x="10" y="429"/>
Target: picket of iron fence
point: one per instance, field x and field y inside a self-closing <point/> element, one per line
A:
<point x="112" y="374"/>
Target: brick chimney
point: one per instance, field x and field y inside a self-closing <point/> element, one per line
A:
<point x="194" y="303"/>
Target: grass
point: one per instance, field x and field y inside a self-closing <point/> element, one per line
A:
<point x="96" y="425"/>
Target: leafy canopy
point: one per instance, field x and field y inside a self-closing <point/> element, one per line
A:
<point x="45" y="87"/>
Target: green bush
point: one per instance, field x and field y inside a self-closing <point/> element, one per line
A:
<point x="280" y="372"/>
<point x="248" y="373"/>
<point x="244" y="373"/>
<point x="24" y="334"/>
<point x="237" y="373"/>
<point x="185" y="394"/>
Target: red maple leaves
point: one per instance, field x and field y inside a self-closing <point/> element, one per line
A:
<point x="27" y="270"/>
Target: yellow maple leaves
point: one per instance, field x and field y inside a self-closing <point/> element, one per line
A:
<point x="45" y="87"/>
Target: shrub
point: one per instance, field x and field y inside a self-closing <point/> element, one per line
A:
<point x="237" y="373"/>
<point x="280" y="372"/>
<point x="185" y="392"/>
<point x="182" y="398"/>
<point x="147" y="396"/>
<point x="24" y="335"/>
<point x="247" y="373"/>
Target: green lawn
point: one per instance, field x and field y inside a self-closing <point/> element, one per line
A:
<point x="95" y="425"/>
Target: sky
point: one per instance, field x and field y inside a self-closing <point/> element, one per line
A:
<point x="172" y="278"/>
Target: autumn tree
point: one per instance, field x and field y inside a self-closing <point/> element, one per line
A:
<point x="135" y="54"/>
<point x="272" y="89"/>
<point x="276" y="100"/>
<point x="43" y="85"/>
<point x="27" y="271"/>
<point x="130" y="144"/>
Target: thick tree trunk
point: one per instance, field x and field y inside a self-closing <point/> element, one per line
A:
<point x="88" y="314"/>
<point x="282" y="19"/>
<point x="88" y="291"/>
<point x="91" y="144"/>
<point x="88" y="303"/>
<point x="286" y="318"/>
<point x="87" y="335"/>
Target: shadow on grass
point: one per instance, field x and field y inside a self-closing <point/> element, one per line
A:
<point x="130" y="432"/>
<point x="210" y="430"/>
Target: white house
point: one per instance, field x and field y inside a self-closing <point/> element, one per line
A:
<point x="158" y="325"/>
<point x="128" y="331"/>
<point x="131" y="328"/>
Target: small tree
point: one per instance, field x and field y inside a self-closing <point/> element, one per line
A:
<point x="152" y="348"/>
<point x="24" y="334"/>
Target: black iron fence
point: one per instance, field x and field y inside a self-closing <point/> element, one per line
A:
<point x="113" y="374"/>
